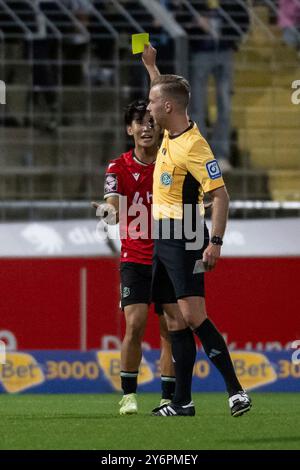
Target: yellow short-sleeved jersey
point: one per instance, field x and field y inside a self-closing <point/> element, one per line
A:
<point x="185" y="169"/>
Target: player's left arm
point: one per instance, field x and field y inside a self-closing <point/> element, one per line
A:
<point x="220" y="206"/>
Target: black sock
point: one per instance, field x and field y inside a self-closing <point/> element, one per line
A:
<point x="167" y="387"/>
<point x="216" y="349"/>
<point x="129" y="381"/>
<point x="184" y="354"/>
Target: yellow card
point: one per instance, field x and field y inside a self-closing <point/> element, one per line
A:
<point x="138" y="42"/>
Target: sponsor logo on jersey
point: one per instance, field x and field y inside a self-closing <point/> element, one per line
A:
<point x="136" y="176"/>
<point x="166" y="179"/>
<point x="213" y="169"/>
<point x="111" y="183"/>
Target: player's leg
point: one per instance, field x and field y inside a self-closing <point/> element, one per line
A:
<point x="134" y="302"/>
<point x="131" y="350"/>
<point x="166" y="363"/>
<point x="131" y="354"/>
<point x="194" y="312"/>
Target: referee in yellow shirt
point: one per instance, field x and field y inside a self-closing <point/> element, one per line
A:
<point x="186" y="169"/>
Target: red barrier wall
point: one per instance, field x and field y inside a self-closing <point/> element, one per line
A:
<point x="251" y="300"/>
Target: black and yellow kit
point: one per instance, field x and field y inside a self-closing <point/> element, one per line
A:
<point x="185" y="169"/>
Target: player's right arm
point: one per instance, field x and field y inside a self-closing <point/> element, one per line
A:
<point x="149" y="60"/>
<point x="114" y="202"/>
<point x="113" y="189"/>
<point x="108" y="210"/>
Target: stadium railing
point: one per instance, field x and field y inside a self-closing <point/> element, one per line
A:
<point x="73" y="209"/>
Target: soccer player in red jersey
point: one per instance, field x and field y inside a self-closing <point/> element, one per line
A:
<point x="131" y="176"/>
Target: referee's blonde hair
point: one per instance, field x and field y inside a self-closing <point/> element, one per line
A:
<point x="174" y="87"/>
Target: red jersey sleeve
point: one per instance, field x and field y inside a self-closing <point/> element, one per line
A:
<point x="113" y="184"/>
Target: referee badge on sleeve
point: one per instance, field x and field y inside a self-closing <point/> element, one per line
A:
<point x="213" y="169"/>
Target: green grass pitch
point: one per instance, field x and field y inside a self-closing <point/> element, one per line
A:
<point x="92" y="422"/>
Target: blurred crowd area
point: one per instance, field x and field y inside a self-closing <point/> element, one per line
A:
<point x="69" y="71"/>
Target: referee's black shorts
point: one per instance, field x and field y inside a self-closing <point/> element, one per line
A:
<point x="174" y="271"/>
<point x="136" y="285"/>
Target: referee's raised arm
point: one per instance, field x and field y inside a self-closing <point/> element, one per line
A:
<point x="149" y="60"/>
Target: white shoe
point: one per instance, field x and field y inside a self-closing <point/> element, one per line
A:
<point x="128" y="404"/>
<point x="239" y="403"/>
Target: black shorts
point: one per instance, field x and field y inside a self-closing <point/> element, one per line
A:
<point x="174" y="272"/>
<point x="136" y="285"/>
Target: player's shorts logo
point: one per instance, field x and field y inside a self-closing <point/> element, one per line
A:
<point x="126" y="292"/>
<point x="213" y="170"/>
<point x="166" y="179"/>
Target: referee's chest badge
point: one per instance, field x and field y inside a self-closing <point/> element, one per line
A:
<point x="126" y="292"/>
<point x="166" y="179"/>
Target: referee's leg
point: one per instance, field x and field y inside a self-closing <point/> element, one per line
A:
<point x="182" y="338"/>
<point x="194" y="312"/>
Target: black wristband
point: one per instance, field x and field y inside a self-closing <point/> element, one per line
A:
<point x="216" y="241"/>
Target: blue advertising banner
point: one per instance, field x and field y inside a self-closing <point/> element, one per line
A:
<point x="98" y="372"/>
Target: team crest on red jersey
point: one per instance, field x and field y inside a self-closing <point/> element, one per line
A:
<point x="111" y="183"/>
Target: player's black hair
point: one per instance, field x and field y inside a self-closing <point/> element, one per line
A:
<point x="135" y="111"/>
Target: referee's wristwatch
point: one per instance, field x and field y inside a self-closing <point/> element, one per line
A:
<point x="216" y="241"/>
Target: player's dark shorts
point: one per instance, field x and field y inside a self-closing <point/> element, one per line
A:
<point x="136" y="281"/>
<point x="174" y="270"/>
